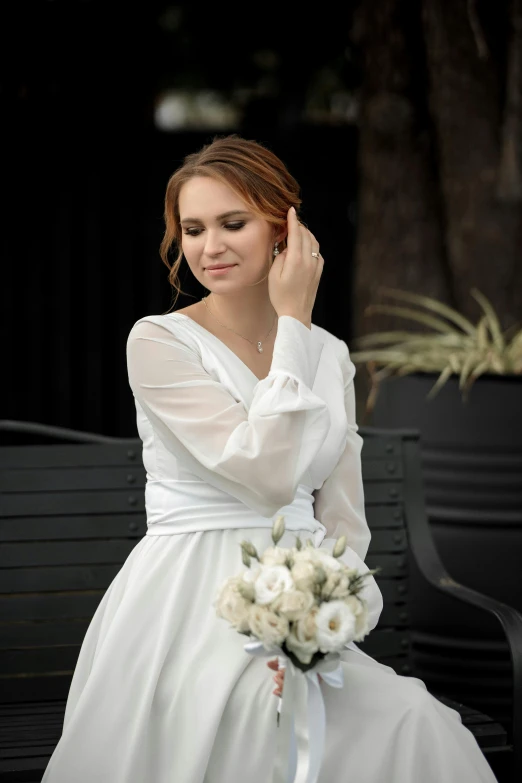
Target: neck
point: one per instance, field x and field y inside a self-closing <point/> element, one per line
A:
<point x="250" y="318"/>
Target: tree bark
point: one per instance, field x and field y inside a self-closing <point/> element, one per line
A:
<point x="400" y="234"/>
<point x="483" y="233"/>
<point x="510" y="173"/>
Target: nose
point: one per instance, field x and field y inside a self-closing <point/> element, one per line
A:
<point x="214" y="244"/>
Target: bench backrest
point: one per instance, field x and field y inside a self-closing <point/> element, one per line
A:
<point x="71" y="513"/>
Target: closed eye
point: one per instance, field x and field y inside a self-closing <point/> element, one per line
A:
<point x="235" y="226"/>
<point x="195" y="231"/>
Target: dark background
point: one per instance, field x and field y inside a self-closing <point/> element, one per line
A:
<point x="85" y="168"/>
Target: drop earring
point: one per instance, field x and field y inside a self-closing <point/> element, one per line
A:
<point x="276" y="250"/>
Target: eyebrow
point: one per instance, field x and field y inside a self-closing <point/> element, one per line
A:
<point x="218" y="217"/>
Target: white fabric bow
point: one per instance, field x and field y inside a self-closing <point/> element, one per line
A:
<point x="300" y="745"/>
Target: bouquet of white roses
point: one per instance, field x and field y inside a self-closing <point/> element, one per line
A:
<point x="303" y="605"/>
<point x="301" y="599"/>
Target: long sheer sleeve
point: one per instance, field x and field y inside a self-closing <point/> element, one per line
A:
<point x="339" y="503"/>
<point x="257" y="455"/>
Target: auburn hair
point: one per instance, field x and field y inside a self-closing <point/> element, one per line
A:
<point x="252" y="171"/>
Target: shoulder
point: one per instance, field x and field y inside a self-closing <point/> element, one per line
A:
<point x="163" y="328"/>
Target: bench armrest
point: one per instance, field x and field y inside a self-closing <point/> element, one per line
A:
<point x="429" y="563"/>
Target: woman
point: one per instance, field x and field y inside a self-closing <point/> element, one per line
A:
<point x="246" y="410"/>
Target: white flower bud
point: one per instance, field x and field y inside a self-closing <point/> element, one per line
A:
<point x="278" y="529"/>
<point x="249" y="548"/>
<point x="340" y="546"/>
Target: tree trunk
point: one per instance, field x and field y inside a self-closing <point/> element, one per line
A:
<point x="483" y="232"/>
<point x="400" y="235"/>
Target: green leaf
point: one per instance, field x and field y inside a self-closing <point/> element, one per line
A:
<point x="443" y="377"/>
<point x="406" y="312"/>
<point x="480" y="369"/>
<point x="382" y="337"/>
<point x="432" y="304"/>
<point x="493" y="322"/>
<point x="467" y="367"/>
<point x="482" y="334"/>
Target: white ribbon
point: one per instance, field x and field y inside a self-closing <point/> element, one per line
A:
<point x="302" y="725"/>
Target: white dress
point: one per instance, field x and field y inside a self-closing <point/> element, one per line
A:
<point x="163" y="691"/>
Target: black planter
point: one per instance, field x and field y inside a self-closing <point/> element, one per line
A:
<point x="472" y="466"/>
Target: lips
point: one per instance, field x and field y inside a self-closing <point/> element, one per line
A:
<point x="220" y="266"/>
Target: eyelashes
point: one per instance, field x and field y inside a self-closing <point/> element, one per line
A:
<point x="235" y="226"/>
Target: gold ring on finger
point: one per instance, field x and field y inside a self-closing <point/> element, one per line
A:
<point x="315" y="255"/>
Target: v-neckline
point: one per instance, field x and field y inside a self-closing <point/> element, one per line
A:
<point x="207" y="331"/>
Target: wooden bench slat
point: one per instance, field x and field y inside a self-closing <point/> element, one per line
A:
<point x="15" y="481"/>
<point x="385" y="643"/>
<point x="99" y="576"/>
<point x="17" y="723"/>
<point x="62" y="457"/>
<point x="390" y="565"/>
<point x="79" y="577"/>
<point x="382" y="448"/>
<point x="51" y="503"/>
<point x="32" y="745"/>
<point x="382" y="469"/>
<point x="39" y="709"/>
<point x="36" y="635"/>
<point x="66" y="553"/>
<point x="379" y="492"/>
<point x="388" y="541"/>
<point x="67" y="526"/>
<point x="72" y="631"/>
<point x="33" y="758"/>
<point x="384" y="515"/>
<point x="22" y="689"/>
<point x="41" y="660"/>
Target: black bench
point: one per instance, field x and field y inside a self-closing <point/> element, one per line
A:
<point x="73" y="509"/>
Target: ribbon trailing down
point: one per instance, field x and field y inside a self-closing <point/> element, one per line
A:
<point x="302" y="723"/>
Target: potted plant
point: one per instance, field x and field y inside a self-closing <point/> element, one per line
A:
<point x="454" y="346"/>
<point x="460" y="384"/>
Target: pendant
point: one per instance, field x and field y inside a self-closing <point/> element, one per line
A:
<point x="259" y="348"/>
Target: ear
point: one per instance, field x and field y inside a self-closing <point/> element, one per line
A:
<point x="280" y="234"/>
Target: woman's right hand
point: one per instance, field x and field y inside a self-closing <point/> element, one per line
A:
<point x="294" y="277"/>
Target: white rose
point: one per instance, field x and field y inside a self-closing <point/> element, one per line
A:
<point x="231" y="606"/>
<point x="305" y="555"/>
<point x="250" y="574"/>
<point x="360" y="611"/>
<point x="302" y="640"/>
<point x="328" y="562"/>
<point x="275" y="555"/>
<point x="303" y="574"/>
<point x="271" y="581"/>
<point x="335" y="622"/>
<point x="293" y="604"/>
<point x="269" y="627"/>
<point x="336" y="585"/>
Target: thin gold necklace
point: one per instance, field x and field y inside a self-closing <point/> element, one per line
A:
<point x="259" y="344"/>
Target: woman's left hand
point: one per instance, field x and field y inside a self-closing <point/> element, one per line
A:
<point x="279" y="676"/>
